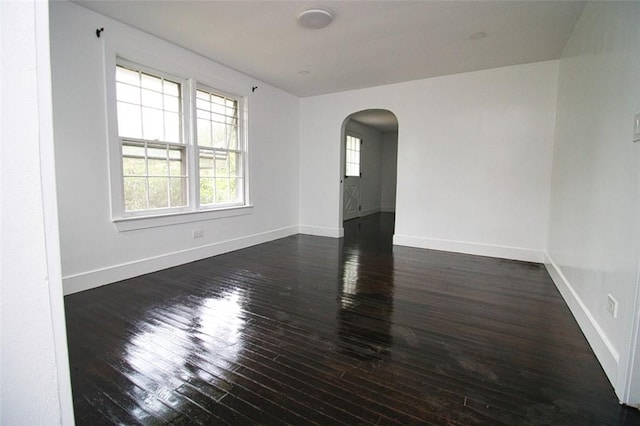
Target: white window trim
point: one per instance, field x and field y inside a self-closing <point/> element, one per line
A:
<point x="242" y="145"/>
<point x="175" y="218"/>
<point x="344" y="165"/>
<point x="162" y="217"/>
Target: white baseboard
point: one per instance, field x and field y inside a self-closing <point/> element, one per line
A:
<point x="321" y="231"/>
<point x="480" y="249"/>
<point x="388" y="209"/>
<point x="99" y="277"/>
<point x="605" y="352"/>
<point x="367" y="212"/>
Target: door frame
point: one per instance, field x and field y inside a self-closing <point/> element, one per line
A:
<point x="342" y="152"/>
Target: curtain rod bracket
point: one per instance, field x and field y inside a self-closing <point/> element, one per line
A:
<point x="99" y="31"/>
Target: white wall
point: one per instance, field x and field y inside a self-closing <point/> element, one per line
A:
<point x="593" y="228"/>
<point x="34" y="380"/>
<point x="93" y="251"/>
<point x="474" y="159"/>
<point x="370" y="166"/>
<point x="389" y="171"/>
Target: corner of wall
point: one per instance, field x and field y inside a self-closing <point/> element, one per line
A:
<point x="605" y="352"/>
<point x="321" y="231"/>
<point x="467" y="247"/>
<point x="97" y="278"/>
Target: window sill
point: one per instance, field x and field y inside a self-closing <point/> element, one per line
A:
<point x="144" y="222"/>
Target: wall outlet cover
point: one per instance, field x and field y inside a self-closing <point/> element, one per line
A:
<point x="612" y="306"/>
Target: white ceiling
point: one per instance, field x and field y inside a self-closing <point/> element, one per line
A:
<point x="369" y="43"/>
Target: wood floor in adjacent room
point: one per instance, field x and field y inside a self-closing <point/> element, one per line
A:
<point x="312" y="330"/>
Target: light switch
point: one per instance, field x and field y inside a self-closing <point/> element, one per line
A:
<point x="636" y="128"/>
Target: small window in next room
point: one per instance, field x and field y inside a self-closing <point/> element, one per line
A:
<point x="352" y="157"/>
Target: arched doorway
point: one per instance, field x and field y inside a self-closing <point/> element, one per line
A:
<point x="368" y="171"/>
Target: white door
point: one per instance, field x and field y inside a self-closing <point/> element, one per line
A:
<point x="351" y="195"/>
<point x="351" y="199"/>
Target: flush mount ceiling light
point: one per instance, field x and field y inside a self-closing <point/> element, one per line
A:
<point x="314" y="19"/>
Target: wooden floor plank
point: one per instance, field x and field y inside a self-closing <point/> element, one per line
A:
<point x="312" y="330"/>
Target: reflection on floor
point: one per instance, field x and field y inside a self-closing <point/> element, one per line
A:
<point x="312" y="330"/>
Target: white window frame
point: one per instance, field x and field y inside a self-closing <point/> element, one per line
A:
<point x="126" y="221"/>
<point x="346" y="154"/>
<point x="241" y="148"/>
<point x="185" y="141"/>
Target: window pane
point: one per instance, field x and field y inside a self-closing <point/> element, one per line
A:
<point x="151" y="82"/>
<point x="352" y="156"/>
<point x="235" y="165"/>
<point x="158" y="167"/>
<point x="135" y="193"/>
<point x="152" y="124"/>
<point x="222" y="191"/>
<point x="158" y="192"/>
<point x="127" y="76"/>
<point x="206" y="191"/>
<point x="233" y="138"/>
<point x="154" y="173"/>
<point x="235" y="189"/>
<point x="172" y="127"/>
<point x="133" y="149"/>
<point x="219" y="134"/>
<point x="206" y="163"/>
<point x="157" y="161"/>
<point x="203" y="104"/>
<point x="128" y="93"/>
<point x="222" y="164"/>
<point x="178" y="191"/>
<point x="218" y="101"/>
<point x="204" y="132"/>
<point x="175" y="168"/>
<point x="176" y="163"/>
<point x="223" y="120"/>
<point x="129" y="120"/>
<point x="172" y="88"/>
<point x="200" y="94"/>
<point x="176" y="153"/>
<point x="134" y="166"/>
<point x="171" y="103"/>
<point x="144" y="110"/>
<point x="152" y="99"/>
<point x="231" y="116"/>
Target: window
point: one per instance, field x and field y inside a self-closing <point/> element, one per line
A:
<point x="352" y="157"/>
<point x="154" y="155"/>
<point x="181" y="144"/>
<point x="219" y="156"/>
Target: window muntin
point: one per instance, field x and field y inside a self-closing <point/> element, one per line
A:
<point x="148" y="106"/>
<point x="154" y="175"/>
<point x="352" y="157"/>
<point x="176" y="158"/>
<point x="220" y="155"/>
<point x="154" y="172"/>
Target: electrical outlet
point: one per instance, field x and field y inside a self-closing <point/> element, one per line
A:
<point x="612" y="306"/>
<point x="197" y="233"/>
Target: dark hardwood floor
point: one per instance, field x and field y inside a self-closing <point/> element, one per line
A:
<point x="311" y="330"/>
